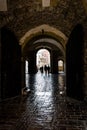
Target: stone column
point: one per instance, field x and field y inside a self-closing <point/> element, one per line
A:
<point x="32" y="62"/>
<point x="0" y="64"/>
<point x="74" y="64"/>
<point x="23" y="72"/>
<point x="85" y="68"/>
<point x="54" y="62"/>
<point x="51" y="61"/>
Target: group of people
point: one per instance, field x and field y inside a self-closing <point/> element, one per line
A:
<point x="45" y="68"/>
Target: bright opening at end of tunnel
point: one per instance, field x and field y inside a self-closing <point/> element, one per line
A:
<point x="42" y="58"/>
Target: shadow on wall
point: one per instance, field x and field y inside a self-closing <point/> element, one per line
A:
<point x="74" y="63"/>
<point x="10" y="64"/>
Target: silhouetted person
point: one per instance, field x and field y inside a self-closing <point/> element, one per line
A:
<point x="41" y="69"/>
<point x="48" y="69"/>
<point x="45" y="69"/>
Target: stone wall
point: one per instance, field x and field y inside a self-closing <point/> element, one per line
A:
<point x="85" y="63"/>
<point x="0" y="65"/>
<point x="23" y="15"/>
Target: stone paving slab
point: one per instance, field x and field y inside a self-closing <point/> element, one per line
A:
<point x="43" y="110"/>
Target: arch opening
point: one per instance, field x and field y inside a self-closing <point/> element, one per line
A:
<point x="60" y="66"/>
<point x="42" y="59"/>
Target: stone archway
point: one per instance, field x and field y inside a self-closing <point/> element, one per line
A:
<point x="43" y="36"/>
<point x="46" y="29"/>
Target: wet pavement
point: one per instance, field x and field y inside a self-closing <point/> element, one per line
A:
<point x="46" y="107"/>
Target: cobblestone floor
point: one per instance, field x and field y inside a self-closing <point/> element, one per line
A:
<point x="45" y="108"/>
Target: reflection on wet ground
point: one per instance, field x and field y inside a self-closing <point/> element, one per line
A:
<point x="46" y="107"/>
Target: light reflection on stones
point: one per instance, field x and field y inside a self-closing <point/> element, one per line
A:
<point x="45" y="108"/>
<point x="43" y="93"/>
<point x="43" y="88"/>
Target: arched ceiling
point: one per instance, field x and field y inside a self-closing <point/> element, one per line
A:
<point x="50" y="41"/>
<point x="43" y="30"/>
<point x="46" y="43"/>
<point x="43" y="42"/>
<point x="43" y="36"/>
